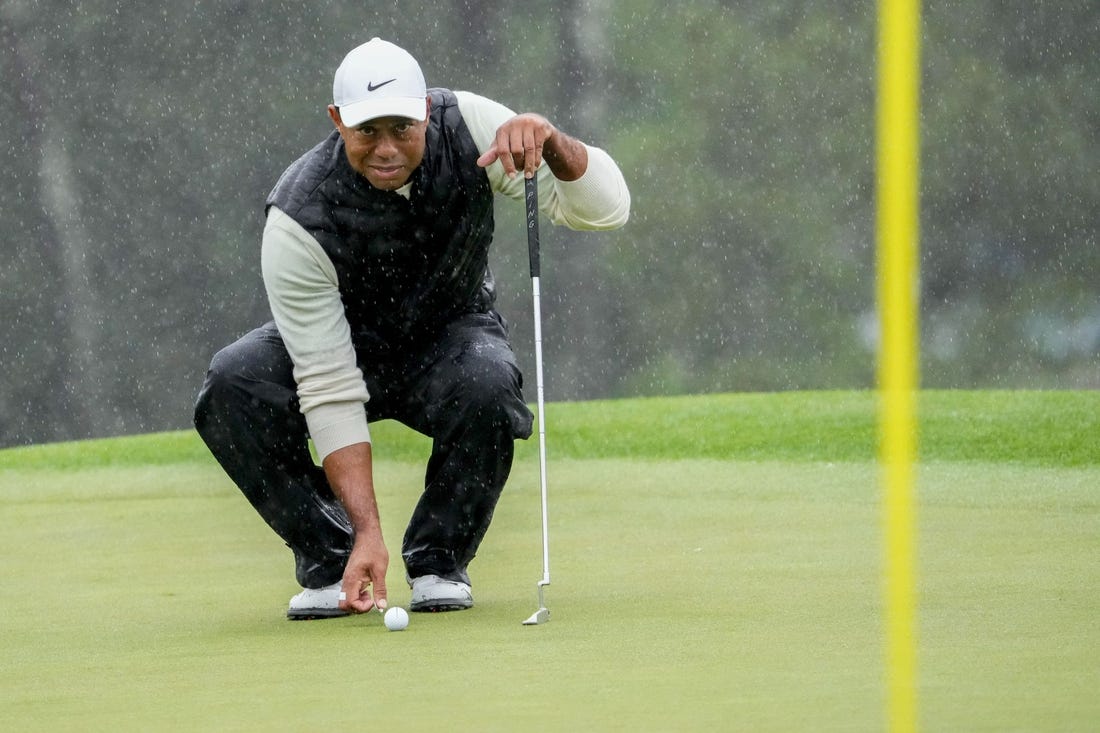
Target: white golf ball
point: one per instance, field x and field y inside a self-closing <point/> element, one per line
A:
<point x="396" y="618"/>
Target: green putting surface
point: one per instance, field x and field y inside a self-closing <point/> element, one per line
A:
<point x="734" y="585"/>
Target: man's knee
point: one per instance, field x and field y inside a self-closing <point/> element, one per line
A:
<point x="251" y="370"/>
<point x="215" y="388"/>
<point x="491" y="395"/>
<point x="493" y="380"/>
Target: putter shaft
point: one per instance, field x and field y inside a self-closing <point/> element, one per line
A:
<point x="531" y="201"/>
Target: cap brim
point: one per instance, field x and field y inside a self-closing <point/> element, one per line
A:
<point x="356" y="113"/>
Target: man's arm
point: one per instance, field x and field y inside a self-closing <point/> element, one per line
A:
<point x="350" y="473"/>
<point x="304" y="295"/>
<point x="580" y="186"/>
<point x="525" y="140"/>
<point x="303" y="292"/>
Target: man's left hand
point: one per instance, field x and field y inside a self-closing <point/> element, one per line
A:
<point x="518" y="144"/>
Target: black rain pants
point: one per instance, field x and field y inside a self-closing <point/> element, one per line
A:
<point x="463" y="390"/>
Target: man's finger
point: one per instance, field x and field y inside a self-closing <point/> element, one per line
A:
<point x="487" y="158"/>
<point x="532" y="152"/>
<point x="504" y="150"/>
<point x="362" y="604"/>
<point x="355" y="597"/>
<point x="380" y="593"/>
<point x="349" y="593"/>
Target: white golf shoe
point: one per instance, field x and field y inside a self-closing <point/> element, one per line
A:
<point x="433" y="593"/>
<point x="316" y="603"/>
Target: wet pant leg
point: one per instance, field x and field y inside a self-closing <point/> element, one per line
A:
<point x="247" y="414"/>
<point x="467" y="396"/>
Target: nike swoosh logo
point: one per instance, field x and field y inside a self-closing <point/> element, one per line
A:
<point x="371" y="87"/>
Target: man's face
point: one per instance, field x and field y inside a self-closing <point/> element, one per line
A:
<point x="385" y="150"/>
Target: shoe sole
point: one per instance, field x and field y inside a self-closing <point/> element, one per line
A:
<point x="440" y="606"/>
<point x="313" y="614"/>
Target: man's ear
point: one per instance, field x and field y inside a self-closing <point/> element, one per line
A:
<point x="334" y="115"/>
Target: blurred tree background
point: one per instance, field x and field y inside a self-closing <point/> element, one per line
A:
<point x="139" y="139"/>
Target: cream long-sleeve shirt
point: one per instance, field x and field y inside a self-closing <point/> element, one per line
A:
<point x="303" y="288"/>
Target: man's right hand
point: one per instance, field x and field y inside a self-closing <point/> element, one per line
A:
<point x="364" y="584"/>
<point x="350" y="473"/>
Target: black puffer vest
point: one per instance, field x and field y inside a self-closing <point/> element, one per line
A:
<point x="406" y="266"/>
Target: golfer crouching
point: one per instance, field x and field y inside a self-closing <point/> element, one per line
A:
<point x="375" y="261"/>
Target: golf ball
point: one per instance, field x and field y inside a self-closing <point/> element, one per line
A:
<point x="396" y="618"/>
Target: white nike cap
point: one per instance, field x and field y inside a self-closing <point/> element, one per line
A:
<point x="379" y="79"/>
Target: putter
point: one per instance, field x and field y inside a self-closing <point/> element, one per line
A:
<point x="531" y="197"/>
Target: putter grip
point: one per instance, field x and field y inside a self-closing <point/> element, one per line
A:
<point x="531" y="199"/>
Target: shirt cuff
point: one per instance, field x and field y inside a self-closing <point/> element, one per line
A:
<point x="336" y="425"/>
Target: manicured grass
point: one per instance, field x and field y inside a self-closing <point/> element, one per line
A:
<point x="1026" y="428"/>
<point x="715" y="561"/>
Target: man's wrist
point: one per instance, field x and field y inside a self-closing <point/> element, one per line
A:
<point x="566" y="156"/>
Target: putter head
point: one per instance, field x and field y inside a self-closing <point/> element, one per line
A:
<point x="540" y="616"/>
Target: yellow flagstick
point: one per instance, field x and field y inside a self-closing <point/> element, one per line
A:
<point x="897" y="137"/>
